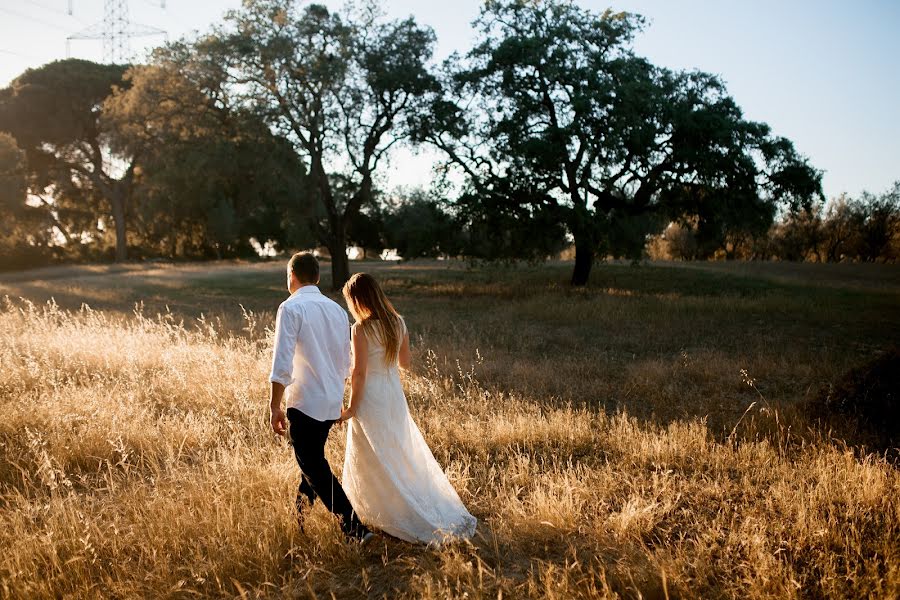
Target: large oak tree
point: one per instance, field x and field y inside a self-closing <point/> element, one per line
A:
<point x="212" y="175"/>
<point x="339" y="87"/>
<point x="553" y="112"/>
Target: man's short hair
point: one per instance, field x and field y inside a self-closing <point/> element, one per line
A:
<point x="305" y="267"/>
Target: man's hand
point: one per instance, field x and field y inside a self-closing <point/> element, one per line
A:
<point x="279" y="421"/>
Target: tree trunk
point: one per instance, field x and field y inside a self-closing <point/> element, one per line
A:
<point x="118" y="213"/>
<point x="584" y="260"/>
<point x="340" y="264"/>
<point x="340" y="267"/>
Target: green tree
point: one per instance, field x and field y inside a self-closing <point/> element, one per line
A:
<point x="26" y="229"/>
<point x="509" y="221"/>
<point x="417" y="225"/>
<point x="553" y="99"/>
<point x="798" y="236"/>
<point x="339" y="88"/>
<point x="13" y="190"/>
<point x="54" y="112"/>
<point x="366" y="230"/>
<point x="212" y="174"/>
<point x="880" y="228"/>
<point x="840" y="228"/>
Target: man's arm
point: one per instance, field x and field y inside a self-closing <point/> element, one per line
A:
<point x="287" y="326"/>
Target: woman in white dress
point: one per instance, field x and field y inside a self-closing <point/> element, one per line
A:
<point x="390" y="475"/>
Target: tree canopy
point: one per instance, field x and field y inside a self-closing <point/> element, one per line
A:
<point x="340" y="88"/>
<point x="276" y="128"/>
<point x="54" y="113"/>
<point x="568" y="120"/>
<point x="213" y="175"/>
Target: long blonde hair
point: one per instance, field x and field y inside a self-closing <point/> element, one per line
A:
<point x="375" y="313"/>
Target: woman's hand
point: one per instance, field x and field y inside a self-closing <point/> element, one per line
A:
<point x="347" y="414"/>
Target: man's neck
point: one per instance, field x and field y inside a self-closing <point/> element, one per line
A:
<point x="305" y="286"/>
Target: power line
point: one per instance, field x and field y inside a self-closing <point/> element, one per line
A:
<point x="45" y="7"/>
<point x="35" y="19"/>
<point x="57" y="11"/>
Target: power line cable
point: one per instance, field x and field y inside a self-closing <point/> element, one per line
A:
<point x="57" y="11"/>
<point x="35" y="19"/>
<point x="45" y="7"/>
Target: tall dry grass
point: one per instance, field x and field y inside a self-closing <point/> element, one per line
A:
<point x="135" y="461"/>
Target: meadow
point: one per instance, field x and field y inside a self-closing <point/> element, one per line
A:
<point x="638" y="438"/>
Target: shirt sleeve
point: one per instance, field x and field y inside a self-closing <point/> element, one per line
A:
<point x="287" y="328"/>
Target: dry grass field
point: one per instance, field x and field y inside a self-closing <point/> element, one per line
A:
<point x="602" y="436"/>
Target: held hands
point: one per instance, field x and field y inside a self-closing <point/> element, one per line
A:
<point x="278" y="421"/>
<point x="346" y="415"/>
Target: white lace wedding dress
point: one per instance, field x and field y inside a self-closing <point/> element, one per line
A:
<point x="390" y="475"/>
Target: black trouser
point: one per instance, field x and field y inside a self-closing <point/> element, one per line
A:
<point x="316" y="480"/>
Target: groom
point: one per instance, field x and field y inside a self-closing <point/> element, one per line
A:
<point x="310" y="364"/>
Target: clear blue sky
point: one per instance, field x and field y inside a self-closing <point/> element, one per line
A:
<point x="824" y="73"/>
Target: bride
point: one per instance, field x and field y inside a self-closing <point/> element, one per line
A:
<point x="390" y="475"/>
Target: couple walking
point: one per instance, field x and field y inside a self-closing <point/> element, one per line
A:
<point x="391" y="480"/>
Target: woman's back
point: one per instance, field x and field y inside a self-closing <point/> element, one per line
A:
<point x="377" y="361"/>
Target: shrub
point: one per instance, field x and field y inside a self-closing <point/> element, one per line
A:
<point x="861" y="408"/>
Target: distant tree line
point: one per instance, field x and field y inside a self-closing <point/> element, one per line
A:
<point x="275" y="129"/>
<point x="864" y="229"/>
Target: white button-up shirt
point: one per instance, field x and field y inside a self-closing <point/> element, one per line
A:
<point x="312" y="353"/>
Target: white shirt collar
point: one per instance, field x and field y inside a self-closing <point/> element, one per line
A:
<point x="308" y="289"/>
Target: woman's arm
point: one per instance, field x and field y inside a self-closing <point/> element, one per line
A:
<point x="403" y="356"/>
<point x="357" y="371"/>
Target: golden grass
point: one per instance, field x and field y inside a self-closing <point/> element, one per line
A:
<point x="135" y="459"/>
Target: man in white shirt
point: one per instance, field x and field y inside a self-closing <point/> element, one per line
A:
<point x="310" y="364"/>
